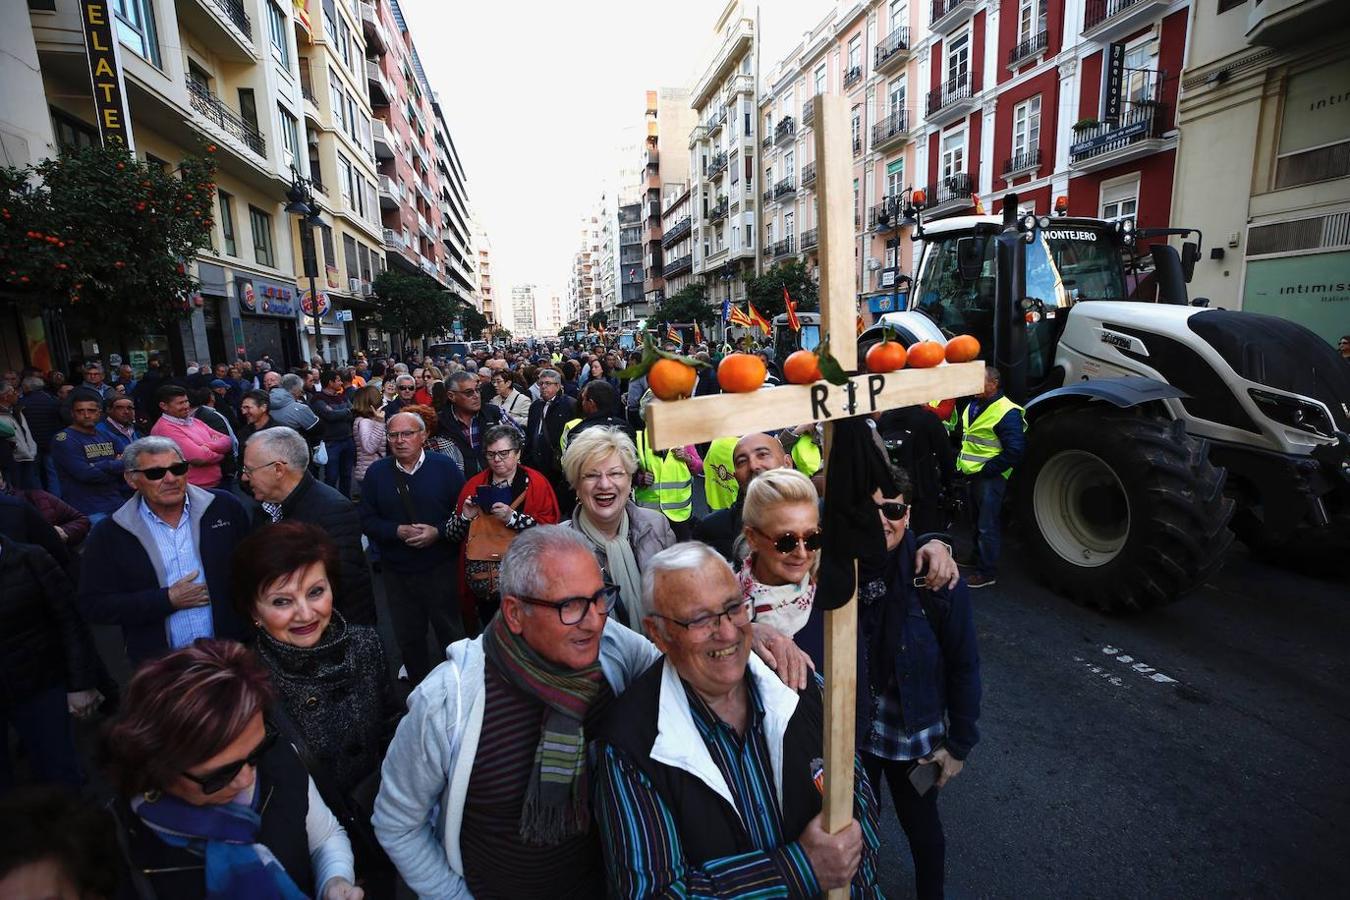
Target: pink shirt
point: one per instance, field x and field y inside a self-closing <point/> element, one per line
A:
<point x="203" y="447"/>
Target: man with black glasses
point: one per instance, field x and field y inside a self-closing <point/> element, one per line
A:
<point x="543" y="432"/>
<point x="469" y="420"/>
<point x="160" y="565"/>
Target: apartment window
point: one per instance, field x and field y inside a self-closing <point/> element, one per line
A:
<point x="1027" y="19"/>
<point x="336" y="99"/>
<point x="71" y="133"/>
<point x="276" y="28"/>
<point x="248" y="107"/>
<point x="1140" y="62"/>
<point x="329" y="19"/>
<point x="953" y="153"/>
<point x="899" y="14"/>
<point x="289" y="138"/>
<point x="261" y="225"/>
<point x="820" y="79"/>
<point x="789" y="228"/>
<point x="328" y="252"/>
<point x="789" y="165"/>
<point x="857" y="127"/>
<point x="344" y="42"/>
<point x="1120" y="198"/>
<point x="1226" y="5"/>
<point x="895" y="96"/>
<point x="227" y="223"/>
<point x="855" y="52"/>
<point x="349" y="256"/>
<point x="1027" y="126"/>
<point x="895" y="177"/>
<point x="958" y="59"/>
<point x="365" y="262"/>
<point x="136" y="27"/>
<point x="345" y="179"/>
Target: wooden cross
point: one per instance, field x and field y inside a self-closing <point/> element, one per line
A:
<point x="700" y="419"/>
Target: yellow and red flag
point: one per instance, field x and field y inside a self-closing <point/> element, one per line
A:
<point x="673" y="335"/>
<point x="698" y="334"/>
<point x="736" y="317"/>
<point x="793" y="322"/>
<point x="758" y="319"/>
<point x="862" y="326"/>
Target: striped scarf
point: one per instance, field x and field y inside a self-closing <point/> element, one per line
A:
<point x="556" y="804"/>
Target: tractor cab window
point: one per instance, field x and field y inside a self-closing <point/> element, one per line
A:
<point x="1088" y="262"/>
<point x="959" y="305"/>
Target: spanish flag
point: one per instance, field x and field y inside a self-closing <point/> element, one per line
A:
<point x="738" y="318"/>
<point x="793" y="322"/>
<point x="758" y="319"/>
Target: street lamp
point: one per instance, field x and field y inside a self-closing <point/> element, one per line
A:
<point x="895" y="213"/>
<point x="300" y="202"/>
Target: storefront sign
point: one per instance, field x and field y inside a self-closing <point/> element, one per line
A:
<point x="1118" y="135"/>
<point x="343" y="315"/>
<point x="105" y="71"/>
<point x="1312" y="290"/>
<point x="269" y="298"/>
<point x="1114" y="90"/>
<point x="1316" y="108"/>
<point x="325" y="304"/>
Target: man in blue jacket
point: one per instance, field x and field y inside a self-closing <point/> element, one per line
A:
<point x="87" y="462"/>
<point x="406" y="499"/>
<point x="160" y="566"/>
<point x="919" y="687"/>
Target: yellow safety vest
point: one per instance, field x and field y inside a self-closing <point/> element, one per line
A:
<point x="719" y="474"/>
<point x="806" y="455"/>
<point x="567" y="434"/>
<point x="950" y="422"/>
<point x="673" y="491"/>
<point x="979" y="443"/>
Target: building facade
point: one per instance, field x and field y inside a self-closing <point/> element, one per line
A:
<point x="583" y="295"/>
<point x="1263" y="166"/>
<point x="522" y="310"/>
<point x="668" y="113"/>
<point x="482" y="248"/>
<point x="677" y="238"/>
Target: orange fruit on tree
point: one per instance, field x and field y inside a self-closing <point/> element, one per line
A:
<point x="671" y="380"/>
<point x="739" y="373"/>
<point x="801" y="367"/>
<point x="888" y="356"/>
<point x="963" y="348"/>
<point x="926" y="354"/>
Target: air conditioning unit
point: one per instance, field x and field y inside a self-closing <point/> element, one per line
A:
<point x="367" y="289"/>
<point x="354" y="285"/>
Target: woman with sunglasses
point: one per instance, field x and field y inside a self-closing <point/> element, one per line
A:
<point x="211" y="803"/>
<point x="782" y="540"/>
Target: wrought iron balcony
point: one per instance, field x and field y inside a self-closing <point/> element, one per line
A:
<point x="808" y="177"/>
<point x="1025" y="161"/>
<point x="211" y="108"/>
<point x="1108" y="143"/>
<point x="679" y="266"/>
<point x="955" y="189"/>
<point x="945" y="15"/>
<point x="717" y="120"/>
<point x="1029" y="48"/>
<point x="785" y="130"/>
<point x="950" y="97"/>
<point x="767" y="197"/>
<point x="784" y="187"/>
<point x="808" y="113"/>
<point x="717" y="165"/>
<point x="1108" y="20"/>
<point x="719" y="211"/>
<point x="677" y="231"/>
<point x="782" y="248"/>
<point x="852" y="77"/>
<point x="892" y="50"/>
<point x="892" y="129"/>
<point x="857" y="146"/>
<point x="810" y="238"/>
<point x="887" y="214"/>
<point x="234" y="11"/>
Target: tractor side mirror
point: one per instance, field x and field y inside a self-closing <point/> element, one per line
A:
<point x="969" y="257"/>
<point x="1190" y="252"/>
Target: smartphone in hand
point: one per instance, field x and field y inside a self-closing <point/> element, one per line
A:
<point x="923" y="777"/>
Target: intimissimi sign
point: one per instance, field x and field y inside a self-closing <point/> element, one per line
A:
<point x="105" y="72"/>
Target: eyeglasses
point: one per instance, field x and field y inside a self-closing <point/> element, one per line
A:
<point x="157" y="473"/>
<point x="499" y="454"/>
<point x="893" y="509"/>
<point x="572" y="610"/>
<point x="703" y="627"/>
<point x="406" y="387"/>
<point x="400" y="435"/>
<point x="248" y="471"/>
<point x="787" y="542"/>
<point x="219" y="779"/>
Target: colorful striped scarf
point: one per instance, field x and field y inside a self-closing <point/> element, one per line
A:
<point x="557" y="804"/>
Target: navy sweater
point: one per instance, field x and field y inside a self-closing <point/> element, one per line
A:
<point x="432" y="490"/>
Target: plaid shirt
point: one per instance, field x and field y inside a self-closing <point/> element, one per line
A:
<point x="888" y="739"/>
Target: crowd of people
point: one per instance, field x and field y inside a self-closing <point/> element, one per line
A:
<point x="454" y="627"/>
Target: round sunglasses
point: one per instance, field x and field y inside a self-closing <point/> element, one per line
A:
<point x="788" y="541"/>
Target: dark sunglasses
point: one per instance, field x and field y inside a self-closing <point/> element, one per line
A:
<point x="787" y="542"/>
<point x="893" y="509"/>
<point x="156" y="473"/>
<point x="219" y="779"/>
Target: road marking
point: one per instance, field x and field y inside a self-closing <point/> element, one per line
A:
<point x="1142" y="668"/>
<point x="1114" y="680"/>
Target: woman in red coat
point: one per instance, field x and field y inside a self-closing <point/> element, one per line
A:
<point x="508" y="498"/>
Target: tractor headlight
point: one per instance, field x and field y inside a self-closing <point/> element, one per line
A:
<point x="1029" y="222"/>
<point x="1043" y="222"/>
<point x="1294" y="412"/>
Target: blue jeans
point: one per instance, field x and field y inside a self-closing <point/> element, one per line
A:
<point x="987" y="496"/>
<point x="43" y="724"/>
<point x="337" y="471"/>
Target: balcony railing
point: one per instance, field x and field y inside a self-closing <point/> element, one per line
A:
<point x="1022" y="162"/>
<point x="717" y="120"/>
<point x="808" y="177"/>
<point x="893" y="46"/>
<point x="767" y="197"/>
<point x="234" y="11"/>
<point x="887" y="214"/>
<point x="785" y="130"/>
<point x="1140" y="121"/>
<point x="1095" y="12"/>
<point x="394" y="239"/>
<point x="784" y="187"/>
<point x="719" y="211"/>
<point x="857" y="146"/>
<point x="767" y="143"/>
<point x="717" y="165"/>
<point x="678" y="266"/>
<point x="894" y="125"/>
<point x="1029" y="48"/>
<point x="852" y="77"/>
<point x="677" y="231"/>
<point x="782" y="248"/>
<point x="808" y="112"/>
<point x="210" y="107"/>
<point x="952" y="91"/>
<point x="954" y="187"/>
<point x="940" y="9"/>
<point x="810" y="238"/>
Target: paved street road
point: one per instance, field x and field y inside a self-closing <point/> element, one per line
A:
<point x="1200" y="751"/>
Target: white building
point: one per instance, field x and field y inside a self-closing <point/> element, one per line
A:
<point x="522" y="310"/>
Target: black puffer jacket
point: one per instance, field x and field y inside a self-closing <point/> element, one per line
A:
<point x="43" y="642"/>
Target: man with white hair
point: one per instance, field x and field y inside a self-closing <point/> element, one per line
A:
<point x="160" y="565"/>
<point x="707" y="785"/>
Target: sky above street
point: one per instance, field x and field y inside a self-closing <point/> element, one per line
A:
<point x="536" y="94"/>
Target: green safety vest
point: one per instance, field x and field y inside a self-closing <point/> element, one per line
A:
<point x="979" y="443"/>
<point x="719" y="474"/>
<point x="673" y="491"/>
<point x="567" y="434"/>
<point x="806" y="455"/>
<point x="950" y="422"/>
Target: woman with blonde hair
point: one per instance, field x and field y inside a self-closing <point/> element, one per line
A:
<point x="367" y="430"/>
<point x="781" y="548"/>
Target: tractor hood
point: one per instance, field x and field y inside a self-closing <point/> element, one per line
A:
<point x="1279" y="353"/>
